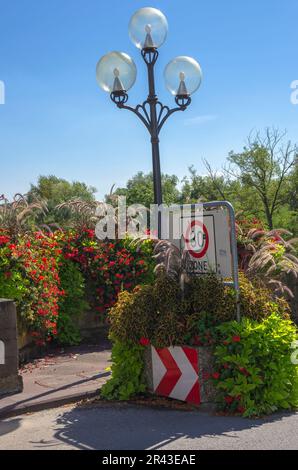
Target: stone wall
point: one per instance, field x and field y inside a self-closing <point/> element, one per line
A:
<point x="10" y="381"/>
<point x="91" y="327"/>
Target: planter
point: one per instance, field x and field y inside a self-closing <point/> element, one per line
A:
<point x="181" y="372"/>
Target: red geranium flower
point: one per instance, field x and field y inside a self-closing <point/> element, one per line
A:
<point x="229" y="399"/>
<point x="244" y="371"/>
<point x="196" y="340"/>
<point x="236" y="339"/>
<point x="144" y="341"/>
<point x="216" y="375"/>
<point x="4" y="239"/>
<point x="241" y="409"/>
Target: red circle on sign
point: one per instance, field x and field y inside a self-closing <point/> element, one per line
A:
<point x="198" y="254"/>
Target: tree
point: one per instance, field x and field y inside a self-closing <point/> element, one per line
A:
<point x="139" y="190"/>
<point x="293" y="188"/>
<point x="264" y="165"/>
<point x="261" y="172"/>
<point x="287" y="215"/>
<point x="204" y="188"/>
<point x="55" y="191"/>
<point x="217" y="186"/>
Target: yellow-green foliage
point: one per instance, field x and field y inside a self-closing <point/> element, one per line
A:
<point x="255" y="371"/>
<point x="257" y="302"/>
<point x="132" y="316"/>
<point x="127" y="372"/>
<point x="208" y="294"/>
<point x="165" y="315"/>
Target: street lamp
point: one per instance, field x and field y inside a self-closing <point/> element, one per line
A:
<point x="116" y="73"/>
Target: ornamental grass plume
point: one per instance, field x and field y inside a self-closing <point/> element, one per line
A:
<point x="273" y="259"/>
<point x="18" y="216"/>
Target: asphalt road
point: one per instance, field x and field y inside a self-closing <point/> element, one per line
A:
<point x="135" y="428"/>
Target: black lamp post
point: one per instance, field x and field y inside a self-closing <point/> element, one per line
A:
<point x="116" y="73"/>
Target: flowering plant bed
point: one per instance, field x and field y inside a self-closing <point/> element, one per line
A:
<point x="55" y="277"/>
<point x="167" y="343"/>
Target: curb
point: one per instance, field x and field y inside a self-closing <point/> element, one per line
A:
<point x="15" y="410"/>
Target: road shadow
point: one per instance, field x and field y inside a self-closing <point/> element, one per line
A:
<point x="133" y="428"/>
<point x="25" y="405"/>
<point x="9" y="426"/>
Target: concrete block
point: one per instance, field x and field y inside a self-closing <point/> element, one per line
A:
<point x="10" y="381"/>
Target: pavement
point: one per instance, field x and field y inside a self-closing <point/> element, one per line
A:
<point x="36" y="419"/>
<point x="64" y="376"/>
<point x="133" y="428"/>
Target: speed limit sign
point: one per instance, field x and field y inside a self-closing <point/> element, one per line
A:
<point x="197" y="239"/>
<point x="206" y="233"/>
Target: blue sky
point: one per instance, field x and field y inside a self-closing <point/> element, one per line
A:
<point x="57" y="121"/>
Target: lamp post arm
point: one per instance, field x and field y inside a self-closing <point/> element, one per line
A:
<point x="164" y="112"/>
<point x="143" y="116"/>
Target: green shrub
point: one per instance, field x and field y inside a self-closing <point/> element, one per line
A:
<point x="208" y="294"/>
<point x="109" y="266"/>
<point x="13" y="286"/>
<point x="146" y="313"/>
<point x="254" y="372"/>
<point x="72" y="304"/>
<point x="29" y="276"/>
<point x="50" y="296"/>
<point x="200" y="330"/>
<point x="257" y="302"/>
<point x="127" y="372"/>
<point x="132" y="317"/>
<point x="167" y="312"/>
<point x="162" y="313"/>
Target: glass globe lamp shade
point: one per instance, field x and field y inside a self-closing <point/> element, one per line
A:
<point x="148" y="28"/>
<point x="116" y="72"/>
<point x="183" y="76"/>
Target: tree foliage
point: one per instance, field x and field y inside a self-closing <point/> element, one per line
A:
<point x="139" y="189"/>
<point x="56" y="191"/>
<point x="264" y="165"/>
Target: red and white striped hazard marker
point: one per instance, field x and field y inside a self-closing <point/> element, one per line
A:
<point x="175" y="373"/>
